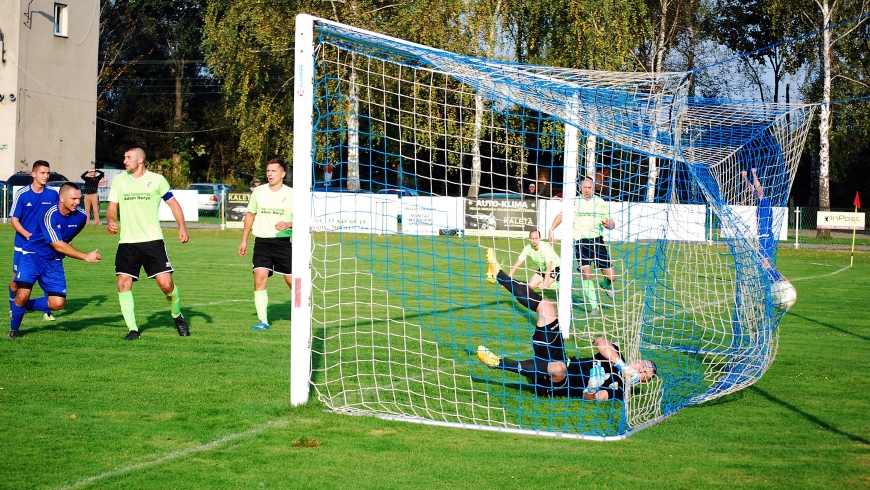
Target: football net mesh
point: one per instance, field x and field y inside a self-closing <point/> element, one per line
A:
<point x="399" y="300"/>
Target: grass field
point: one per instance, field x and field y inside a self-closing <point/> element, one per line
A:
<point x="80" y="408"/>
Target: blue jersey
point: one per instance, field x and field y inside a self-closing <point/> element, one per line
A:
<point x="55" y="227"/>
<point x="766" y="238"/>
<point x="30" y="207"/>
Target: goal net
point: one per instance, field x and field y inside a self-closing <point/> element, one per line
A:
<point x="410" y="162"/>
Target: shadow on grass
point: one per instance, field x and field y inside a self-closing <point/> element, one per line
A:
<point x="832" y="327"/>
<point x="810" y="417"/>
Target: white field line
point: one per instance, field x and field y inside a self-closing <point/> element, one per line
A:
<point x="823" y="275"/>
<point x="177" y="454"/>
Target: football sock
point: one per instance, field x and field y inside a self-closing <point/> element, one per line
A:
<point x="261" y="302"/>
<point x="128" y="309"/>
<point x="17" y="316"/>
<point x="525" y="296"/>
<point x="528" y="367"/>
<point x="174" y="302"/>
<point x="39" y="304"/>
<point x="590" y="293"/>
<point x="11" y="297"/>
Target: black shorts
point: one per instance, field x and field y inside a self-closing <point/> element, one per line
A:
<point x="547" y="343"/>
<point x="554" y="274"/>
<point x="150" y="255"/>
<point x="275" y="254"/>
<point x="591" y="251"/>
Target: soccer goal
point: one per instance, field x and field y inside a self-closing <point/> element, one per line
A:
<point x="410" y="162"/>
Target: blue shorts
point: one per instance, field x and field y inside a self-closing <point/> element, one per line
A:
<point x="766" y="246"/>
<point x="16" y="258"/>
<point x="48" y="273"/>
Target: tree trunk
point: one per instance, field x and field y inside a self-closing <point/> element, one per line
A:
<point x="825" y="116"/>
<point x="179" y="116"/>
<point x="474" y="188"/>
<point x="353" y="135"/>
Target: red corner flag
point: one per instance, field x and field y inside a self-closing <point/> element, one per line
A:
<point x="857" y="202"/>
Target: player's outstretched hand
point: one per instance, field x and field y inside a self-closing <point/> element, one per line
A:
<point x="183" y="237"/>
<point x="93" y="256"/>
<point x="596" y="379"/>
<point x="630" y="375"/>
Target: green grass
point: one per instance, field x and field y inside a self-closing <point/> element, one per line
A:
<point x="212" y="410"/>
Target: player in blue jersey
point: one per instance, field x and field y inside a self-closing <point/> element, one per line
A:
<point x="764" y="215"/>
<point x="29" y="205"/>
<point x="43" y="253"/>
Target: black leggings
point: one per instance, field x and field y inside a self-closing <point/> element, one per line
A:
<point x="524" y="295"/>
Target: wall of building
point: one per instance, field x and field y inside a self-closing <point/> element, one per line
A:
<point x="56" y="94"/>
<point x="9" y="26"/>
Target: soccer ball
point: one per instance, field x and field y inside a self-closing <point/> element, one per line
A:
<point x="784" y="295"/>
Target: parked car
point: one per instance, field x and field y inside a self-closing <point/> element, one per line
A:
<point x="24" y="178"/>
<point x="399" y="191"/>
<point x="500" y="195"/>
<point x="208" y="194"/>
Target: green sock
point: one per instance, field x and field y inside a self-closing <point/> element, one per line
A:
<point x="261" y="301"/>
<point x="590" y="293"/>
<point x="128" y="309"/>
<point x="174" y="302"/>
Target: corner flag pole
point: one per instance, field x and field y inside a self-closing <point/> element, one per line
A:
<point x="857" y="204"/>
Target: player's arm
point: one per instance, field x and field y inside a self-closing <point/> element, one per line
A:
<point x="178" y="214"/>
<point x="607" y="221"/>
<point x="112" y="217"/>
<point x="16" y="225"/>
<point x="517" y="265"/>
<point x="65" y="248"/>
<point x="556" y="222"/>
<point x="548" y="279"/>
<point x="249" y="223"/>
<point x="609" y="351"/>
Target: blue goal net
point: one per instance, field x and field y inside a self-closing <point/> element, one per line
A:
<point x="421" y="161"/>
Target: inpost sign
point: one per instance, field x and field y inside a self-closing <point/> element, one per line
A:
<point x="833" y="220"/>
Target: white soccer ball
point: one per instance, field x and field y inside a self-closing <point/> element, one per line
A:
<point x="784" y="295"/>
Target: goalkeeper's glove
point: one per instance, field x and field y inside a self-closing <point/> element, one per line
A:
<point x="596" y="379"/>
<point x="629" y="374"/>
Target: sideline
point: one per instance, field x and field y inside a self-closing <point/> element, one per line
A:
<point x="823" y="275"/>
<point x="178" y="454"/>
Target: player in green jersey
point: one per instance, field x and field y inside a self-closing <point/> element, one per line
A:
<point x="137" y="195"/>
<point x="543" y="255"/>
<point x="592" y="216"/>
<point x="270" y="217"/>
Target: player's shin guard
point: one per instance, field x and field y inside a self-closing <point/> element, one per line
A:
<point x="38" y="304"/>
<point x="261" y="302"/>
<point x="524" y="295"/>
<point x="128" y="309"/>
<point x="174" y="302"/>
<point x="11" y="297"/>
<point x="590" y="293"/>
<point x="17" y="316"/>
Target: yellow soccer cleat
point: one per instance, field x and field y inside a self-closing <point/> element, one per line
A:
<point x="487" y="357"/>
<point x="494" y="266"/>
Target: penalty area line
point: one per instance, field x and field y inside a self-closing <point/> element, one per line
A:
<point x="177" y="454"/>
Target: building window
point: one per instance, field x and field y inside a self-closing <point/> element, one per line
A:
<point x="60" y="19"/>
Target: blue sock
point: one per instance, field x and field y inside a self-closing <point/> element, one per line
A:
<point x="17" y="316"/>
<point x="11" y="297"/>
<point x="41" y="304"/>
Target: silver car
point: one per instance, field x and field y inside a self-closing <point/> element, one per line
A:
<point x="209" y="194"/>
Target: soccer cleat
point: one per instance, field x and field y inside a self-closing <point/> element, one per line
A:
<point x="181" y="326"/>
<point x="592" y="312"/>
<point x="132" y="335"/>
<point x="261" y="326"/>
<point x="48" y="317"/>
<point x="494" y="266"/>
<point x="608" y="289"/>
<point x="487" y="357"/>
<point x="13" y="334"/>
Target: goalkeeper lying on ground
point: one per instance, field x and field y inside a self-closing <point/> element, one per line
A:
<point x="552" y="373"/>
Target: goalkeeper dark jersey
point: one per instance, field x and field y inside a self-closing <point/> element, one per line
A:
<point x="578" y="374"/>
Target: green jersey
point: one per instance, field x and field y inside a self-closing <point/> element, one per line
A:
<point x="587" y="222"/>
<point x="541" y="256"/>
<point x="138" y="201"/>
<point x="270" y="208"/>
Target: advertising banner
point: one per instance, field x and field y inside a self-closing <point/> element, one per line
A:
<point x="834" y="220"/>
<point x="501" y="217"/>
<point x="237" y="206"/>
